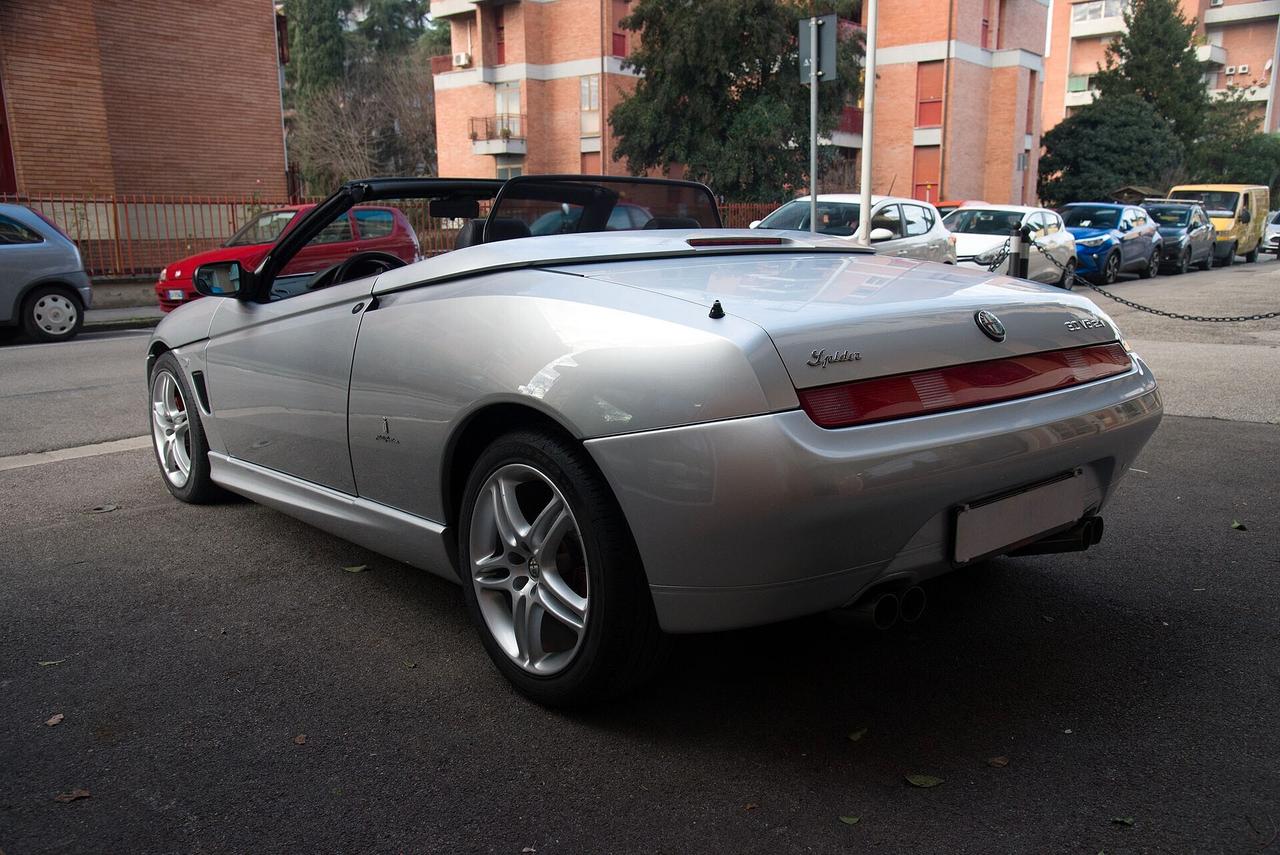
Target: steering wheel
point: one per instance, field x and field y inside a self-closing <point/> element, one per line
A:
<point x="358" y="266"/>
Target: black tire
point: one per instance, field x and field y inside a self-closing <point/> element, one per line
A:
<point x="1206" y="263"/>
<point x="1184" y="262"/>
<point x="1068" y="277"/>
<point x="1110" y="270"/>
<point x="199" y="488"/>
<point x="1252" y="257"/>
<point x="52" y="313"/>
<point x="622" y="645"/>
<point x="1230" y="258"/>
<point x="1152" y="267"/>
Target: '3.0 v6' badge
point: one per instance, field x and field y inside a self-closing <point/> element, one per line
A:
<point x="1089" y="323"/>
<point x="821" y="359"/>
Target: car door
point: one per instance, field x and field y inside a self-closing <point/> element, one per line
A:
<point x="278" y="376"/>
<point x="1199" y="235"/>
<point x="889" y="216"/>
<point x="1037" y="264"/>
<point x="917" y="222"/>
<point x="1130" y="240"/>
<point x="1061" y="245"/>
<point x="331" y="246"/>
<point x="1149" y="231"/>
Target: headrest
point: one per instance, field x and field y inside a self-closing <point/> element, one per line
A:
<point x="470" y="234"/>
<point x="505" y="228"/>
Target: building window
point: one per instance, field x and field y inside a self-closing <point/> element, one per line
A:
<point x="589" y="105"/>
<point x="1097" y="9"/>
<point x="500" y="34"/>
<point x="509" y="166"/>
<point x="926" y="164"/>
<point x="1031" y="103"/>
<point x="929" y="94"/>
<point x="1022" y="162"/>
<point x="507" y="109"/>
<point x="619" y="37"/>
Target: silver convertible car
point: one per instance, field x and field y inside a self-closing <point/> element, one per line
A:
<point x="610" y="436"/>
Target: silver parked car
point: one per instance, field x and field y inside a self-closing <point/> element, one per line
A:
<point x="609" y="436"/>
<point x="903" y="227"/>
<point x="1271" y="235"/>
<point x="43" y="285"/>
<point x="982" y="232"/>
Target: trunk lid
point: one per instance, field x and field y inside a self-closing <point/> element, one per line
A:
<point x="836" y="318"/>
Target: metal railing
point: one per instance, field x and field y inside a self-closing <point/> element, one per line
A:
<point x="504" y="126"/>
<point x="129" y="235"/>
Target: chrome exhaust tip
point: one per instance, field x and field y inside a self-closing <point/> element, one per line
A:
<point x="912" y="603"/>
<point x="878" y="610"/>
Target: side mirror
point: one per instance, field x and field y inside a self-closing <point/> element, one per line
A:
<point x="755" y="224"/>
<point x="880" y="234"/>
<point x="1126" y="226"/>
<point x="222" y="279"/>
<point x="1245" y="216"/>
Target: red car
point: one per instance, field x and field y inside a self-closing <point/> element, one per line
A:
<point x="364" y="228"/>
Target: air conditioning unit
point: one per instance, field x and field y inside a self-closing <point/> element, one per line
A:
<point x="461" y="60"/>
<point x="1242" y="69"/>
<point x="1229" y="70"/>
<point x="1215" y="2"/>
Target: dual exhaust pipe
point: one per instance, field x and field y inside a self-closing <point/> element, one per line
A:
<point x="883" y="609"/>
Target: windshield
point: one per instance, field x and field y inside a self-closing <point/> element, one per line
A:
<point x="1086" y="217"/>
<point x="531" y="206"/>
<point x="1219" y="203"/>
<point x="834" y="218"/>
<point x="1170" y="215"/>
<point x="982" y="221"/>
<point x="264" y="228"/>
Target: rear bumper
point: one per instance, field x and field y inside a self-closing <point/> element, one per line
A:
<point x="761" y="519"/>
<point x="166" y="290"/>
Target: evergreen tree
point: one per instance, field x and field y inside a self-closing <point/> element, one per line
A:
<point x="316" y="45"/>
<point x="1156" y="61"/>
<point x="1232" y="149"/>
<point x="721" y="94"/>
<point x="385" y="28"/>
<point x="1113" y="142"/>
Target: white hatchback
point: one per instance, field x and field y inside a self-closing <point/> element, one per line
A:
<point x="902" y="227"/>
<point x="982" y="230"/>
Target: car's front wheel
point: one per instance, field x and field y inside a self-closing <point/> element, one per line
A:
<point x="1251" y="257"/>
<point x="1184" y="262"/>
<point x="552" y="576"/>
<point x="1110" y="269"/>
<point x="1068" y="277"/>
<point x="177" y="435"/>
<point x="52" y="313"/>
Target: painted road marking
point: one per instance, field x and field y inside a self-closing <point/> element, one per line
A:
<point x="39" y="458"/>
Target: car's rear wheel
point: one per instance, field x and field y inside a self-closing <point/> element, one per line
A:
<point x="1068" y="277"/>
<point x="177" y="435"/>
<point x="1152" y="267"/>
<point x="52" y="313"/>
<point x="552" y="576"/>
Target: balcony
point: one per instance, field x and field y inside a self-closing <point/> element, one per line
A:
<point x="500" y="134"/>
<point x="850" y="121"/>
<point x="442" y="64"/>
<point x="1212" y="54"/>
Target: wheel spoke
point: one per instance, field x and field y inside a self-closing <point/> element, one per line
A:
<point x="549" y="528"/>
<point x="507" y="516"/>
<point x="561" y="603"/>
<point x="526" y="621"/>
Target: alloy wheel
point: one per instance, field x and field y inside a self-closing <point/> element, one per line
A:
<point x="1112" y="270"/>
<point x="529" y="569"/>
<point x="171" y="428"/>
<point x="55" y="314"/>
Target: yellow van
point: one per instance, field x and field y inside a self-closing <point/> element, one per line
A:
<point x="1238" y="212"/>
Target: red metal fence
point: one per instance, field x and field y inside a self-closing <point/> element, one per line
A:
<point x="131" y="235"/>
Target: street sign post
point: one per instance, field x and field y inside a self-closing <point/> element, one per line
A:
<point x="817" y="64"/>
<point x="868" y="122"/>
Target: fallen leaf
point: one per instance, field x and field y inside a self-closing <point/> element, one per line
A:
<point x="1068" y="730"/>
<point x="851" y="820"/>
<point x="750" y="806"/>
<point x="528" y="849"/>
<point x="300" y="739"/>
<point x="409" y="664"/>
<point x="857" y="734"/>
<point x="1046" y="618"/>
<point x="356" y="568"/>
<point x="71" y="796"/>
<point x="1238" y="526"/>
<point x="46" y="663"/>
<point x="104" y="509"/>
<point x="1122" y="820"/>
<point x="997" y="762"/>
<point x="55" y="719"/>
<point x="923" y="781"/>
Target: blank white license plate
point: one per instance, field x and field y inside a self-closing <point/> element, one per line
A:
<point x="992" y="526"/>
<point x="175" y="294"/>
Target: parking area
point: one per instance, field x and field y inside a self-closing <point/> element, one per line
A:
<point x="224" y="683"/>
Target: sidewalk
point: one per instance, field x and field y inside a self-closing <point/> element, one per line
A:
<point x="129" y="317"/>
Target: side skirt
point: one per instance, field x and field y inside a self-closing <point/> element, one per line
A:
<point x="404" y="537"/>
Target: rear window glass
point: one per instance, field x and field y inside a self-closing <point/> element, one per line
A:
<point x="1170" y="215"/>
<point x="12" y="231"/>
<point x="264" y="228"/>
<point x="375" y="223"/>
<point x="834" y="218"/>
<point x="1219" y="203"/>
<point x="982" y="221"/>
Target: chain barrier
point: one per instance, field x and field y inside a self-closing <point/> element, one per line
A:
<point x="1001" y="258"/>
<point x="1177" y="316"/>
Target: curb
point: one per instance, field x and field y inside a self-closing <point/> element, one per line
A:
<point x="121" y="324"/>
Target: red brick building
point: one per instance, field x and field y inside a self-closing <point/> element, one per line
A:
<point x="140" y="96"/>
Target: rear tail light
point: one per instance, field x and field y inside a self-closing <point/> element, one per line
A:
<point x="956" y="386"/>
<point x="737" y="241"/>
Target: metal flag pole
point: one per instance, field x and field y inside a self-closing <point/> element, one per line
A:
<point x="868" y="124"/>
<point x="813" y="125"/>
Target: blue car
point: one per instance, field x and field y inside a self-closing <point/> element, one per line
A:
<point x="1112" y="239"/>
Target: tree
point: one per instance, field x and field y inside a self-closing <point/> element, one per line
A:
<point x="1232" y="147"/>
<point x="720" y="92"/>
<point x="382" y="28"/>
<point x="1114" y="141"/>
<point x="317" y="50"/>
<point x="1156" y="61"/>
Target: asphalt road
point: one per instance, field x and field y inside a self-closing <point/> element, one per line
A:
<point x="189" y="648"/>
